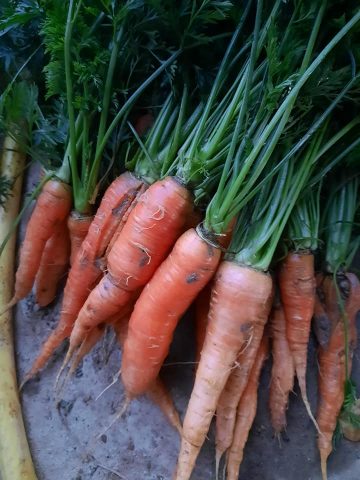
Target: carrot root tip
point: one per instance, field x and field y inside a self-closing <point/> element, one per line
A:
<point x="59" y="385"/>
<point x="218" y="457"/>
<point x="323" y="458"/>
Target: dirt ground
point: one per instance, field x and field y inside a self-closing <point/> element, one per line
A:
<point x="66" y="434"/>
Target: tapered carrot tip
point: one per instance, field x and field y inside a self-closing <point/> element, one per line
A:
<point x="323" y="458"/>
<point x="59" y="385"/>
<point x="218" y="456"/>
<point x="302" y="386"/>
<point x="27" y="377"/>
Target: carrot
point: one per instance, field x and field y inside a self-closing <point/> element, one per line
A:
<point x="78" y="225"/>
<point x="53" y="266"/>
<point x="188" y="268"/>
<point x="282" y="372"/>
<point x="297" y="287"/>
<point x="202" y="302"/>
<point x="87" y="269"/>
<point x="152" y="228"/>
<point x="234" y="388"/>
<point x="246" y="412"/>
<point x="160" y="396"/>
<point x="88" y="344"/>
<point x="332" y="358"/>
<point x="157" y="392"/>
<point x="241" y="298"/>
<point x="52" y="207"/>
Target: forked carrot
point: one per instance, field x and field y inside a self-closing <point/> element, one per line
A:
<point x="52" y="207"/>
<point x="188" y="268"/>
<point x="54" y="265"/>
<point x="234" y="388"/>
<point x="78" y="226"/>
<point x="157" y="392"/>
<point x="282" y="372"/>
<point x="241" y="297"/>
<point x="88" y="266"/>
<point x="332" y="358"/>
<point x="152" y="228"/>
<point x="246" y="412"/>
<point x="297" y="287"/>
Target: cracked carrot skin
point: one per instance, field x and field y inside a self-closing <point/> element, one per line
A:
<point x="152" y="228"/>
<point x="331" y="356"/>
<point x="246" y="413"/>
<point x="88" y="266"/>
<point x="53" y="267"/>
<point x="172" y="289"/>
<point x="282" y="372"/>
<point x="78" y="225"/>
<point x="297" y="287"/>
<point x="241" y="297"/>
<point x="52" y="207"/>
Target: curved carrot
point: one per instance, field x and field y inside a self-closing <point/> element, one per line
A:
<point x="246" y="412"/>
<point x="78" y="226"/>
<point x="241" y="298"/>
<point x="152" y="228"/>
<point x="297" y="287"/>
<point x="175" y="284"/>
<point x="282" y="372"/>
<point x="88" y="268"/>
<point x="53" y="266"/>
<point x="331" y="359"/>
<point x="52" y="207"/>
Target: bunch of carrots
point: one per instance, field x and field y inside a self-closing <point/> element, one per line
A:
<point x="239" y="194"/>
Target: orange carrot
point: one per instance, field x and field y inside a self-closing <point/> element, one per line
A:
<point x="175" y="284"/>
<point x="241" y="298"/>
<point x="52" y="207"/>
<point x="234" y="388"/>
<point x="202" y="302"/>
<point x="152" y="228"/>
<point x="282" y="373"/>
<point x="78" y="226"/>
<point x="53" y="266"/>
<point x="246" y="412"/>
<point x="332" y="357"/>
<point x="157" y="392"/>
<point x="297" y="287"/>
<point x="160" y="396"/>
<point x="88" y="268"/>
